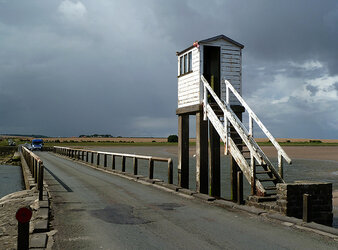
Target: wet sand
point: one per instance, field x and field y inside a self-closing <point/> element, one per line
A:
<point x="329" y="153"/>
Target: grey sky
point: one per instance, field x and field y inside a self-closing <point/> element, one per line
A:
<point x="79" y="67"/>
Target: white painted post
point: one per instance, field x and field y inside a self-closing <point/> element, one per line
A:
<point x="226" y="129"/>
<point x="205" y="101"/>
<point x="280" y="164"/>
<point x="227" y="94"/>
<point x="250" y="126"/>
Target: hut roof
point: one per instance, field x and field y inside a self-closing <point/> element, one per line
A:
<point x="213" y="39"/>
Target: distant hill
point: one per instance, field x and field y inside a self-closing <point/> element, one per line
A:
<point x="22" y="135"/>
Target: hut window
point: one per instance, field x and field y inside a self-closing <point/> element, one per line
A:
<point x="181" y="66"/>
<point x="185" y="64"/>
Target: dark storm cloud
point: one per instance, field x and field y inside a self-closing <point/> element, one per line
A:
<point x="313" y="90"/>
<point x="110" y="67"/>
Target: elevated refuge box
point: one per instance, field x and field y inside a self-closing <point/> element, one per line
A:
<point x="217" y="58"/>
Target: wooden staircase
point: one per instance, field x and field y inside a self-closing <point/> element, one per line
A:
<point x="255" y="165"/>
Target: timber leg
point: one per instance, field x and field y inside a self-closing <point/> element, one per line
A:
<point x="183" y="151"/>
<point x="201" y="154"/>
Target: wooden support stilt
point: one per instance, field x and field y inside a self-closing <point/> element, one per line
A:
<point x="234" y="168"/>
<point x="214" y="162"/>
<point x="183" y="151"/>
<point x="201" y="154"/>
<point x="239" y="187"/>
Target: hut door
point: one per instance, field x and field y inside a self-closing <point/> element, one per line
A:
<point x="211" y="67"/>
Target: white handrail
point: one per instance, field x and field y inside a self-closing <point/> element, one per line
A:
<point x="253" y="116"/>
<point x="229" y="115"/>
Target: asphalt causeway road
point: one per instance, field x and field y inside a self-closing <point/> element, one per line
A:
<point x="96" y="210"/>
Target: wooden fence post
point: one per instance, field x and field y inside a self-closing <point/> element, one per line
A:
<point x="135" y="165"/>
<point x="170" y="171"/>
<point x="40" y="185"/>
<point x="151" y="169"/>
<point x="113" y="162"/>
<point x="307" y="208"/>
<point x="123" y="164"/>
<point x="98" y="160"/>
<point x="105" y="160"/>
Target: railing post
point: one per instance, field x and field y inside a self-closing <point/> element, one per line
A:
<point x="226" y="128"/>
<point x="98" y="159"/>
<point x="250" y="126"/>
<point x="280" y="165"/>
<point x="87" y="156"/>
<point x="170" y="171"/>
<point x="253" y="174"/>
<point x="307" y="208"/>
<point x="92" y="157"/>
<point x="205" y="101"/>
<point x="105" y="160"/>
<point x="40" y="184"/>
<point x="35" y="170"/>
<point x="151" y="169"/>
<point x="135" y="165"/>
<point x="227" y="97"/>
<point x="123" y="164"/>
<point x="113" y="162"/>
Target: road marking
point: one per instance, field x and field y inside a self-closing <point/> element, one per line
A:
<point x="59" y="181"/>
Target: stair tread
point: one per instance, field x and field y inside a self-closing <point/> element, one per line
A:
<point x="268" y="179"/>
<point x="263" y="172"/>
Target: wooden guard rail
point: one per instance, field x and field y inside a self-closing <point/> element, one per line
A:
<point x="88" y="156"/>
<point x="36" y="167"/>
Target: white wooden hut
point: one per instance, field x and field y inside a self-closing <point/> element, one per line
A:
<point x="215" y="58"/>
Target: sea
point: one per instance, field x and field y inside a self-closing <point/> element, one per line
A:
<point x="10" y="179"/>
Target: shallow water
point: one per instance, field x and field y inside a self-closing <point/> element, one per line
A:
<point x="10" y="179"/>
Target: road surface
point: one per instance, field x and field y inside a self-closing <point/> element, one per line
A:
<point x="96" y="210"/>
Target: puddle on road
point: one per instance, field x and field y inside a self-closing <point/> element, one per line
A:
<point x="118" y="214"/>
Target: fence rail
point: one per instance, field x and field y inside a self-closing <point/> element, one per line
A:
<point x="36" y="167"/>
<point x="88" y="156"/>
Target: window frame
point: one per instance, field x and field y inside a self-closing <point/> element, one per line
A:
<point x="185" y="61"/>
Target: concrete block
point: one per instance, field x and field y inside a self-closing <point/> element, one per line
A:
<point x="44" y="204"/>
<point x="170" y="186"/>
<point x="38" y="240"/>
<point x="43" y="213"/>
<point x="224" y="203"/>
<point x="41" y="226"/>
<point x="252" y="210"/>
<point x="204" y="197"/>
<point x="186" y="191"/>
